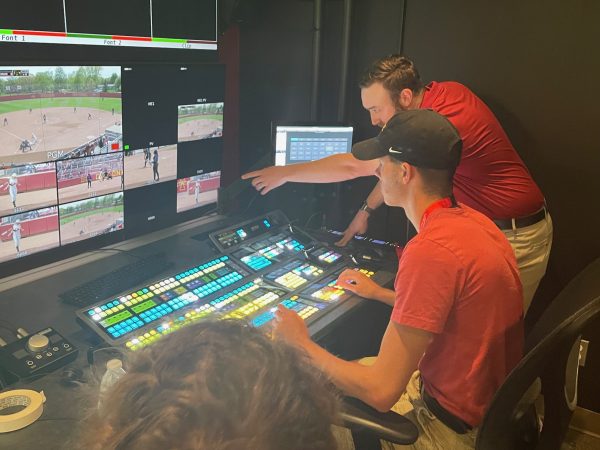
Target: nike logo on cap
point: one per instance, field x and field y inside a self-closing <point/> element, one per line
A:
<point x="391" y="150"/>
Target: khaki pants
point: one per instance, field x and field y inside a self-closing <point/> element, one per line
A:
<point x="532" y="246"/>
<point x="433" y="435"/>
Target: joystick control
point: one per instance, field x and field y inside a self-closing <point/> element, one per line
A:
<point x="38" y="343"/>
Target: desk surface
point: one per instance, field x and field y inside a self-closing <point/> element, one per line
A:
<point x="31" y="301"/>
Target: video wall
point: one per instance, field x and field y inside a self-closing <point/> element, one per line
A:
<point x="88" y="151"/>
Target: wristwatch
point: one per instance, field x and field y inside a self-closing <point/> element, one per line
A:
<point x="366" y="208"/>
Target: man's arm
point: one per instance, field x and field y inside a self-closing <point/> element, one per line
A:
<point x="379" y="385"/>
<point x="327" y="170"/>
<point x="360" y="223"/>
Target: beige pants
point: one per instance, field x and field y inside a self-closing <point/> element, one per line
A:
<point x="433" y="435"/>
<point x="532" y="246"/>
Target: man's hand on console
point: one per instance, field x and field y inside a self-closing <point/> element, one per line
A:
<point x="290" y="327"/>
<point x="359" y="225"/>
<point x="359" y="283"/>
<point x="267" y="179"/>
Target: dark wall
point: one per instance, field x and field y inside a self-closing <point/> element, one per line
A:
<point x="535" y="64"/>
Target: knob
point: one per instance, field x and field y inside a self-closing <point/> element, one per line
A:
<point x="37" y="343"/>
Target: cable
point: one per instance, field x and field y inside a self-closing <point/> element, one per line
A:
<point x="254" y="197"/>
<point x="311" y="218"/>
<point x="10" y="324"/>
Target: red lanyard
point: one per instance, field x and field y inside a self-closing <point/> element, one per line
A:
<point x="447" y="202"/>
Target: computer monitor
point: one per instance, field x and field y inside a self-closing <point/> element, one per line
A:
<point x="309" y="142"/>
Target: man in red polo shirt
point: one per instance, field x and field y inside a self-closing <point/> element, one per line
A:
<point x="490" y="178"/>
<point x="457" y="308"/>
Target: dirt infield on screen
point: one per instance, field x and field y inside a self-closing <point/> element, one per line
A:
<point x="86" y="224"/>
<point x="139" y="170"/>
<point x="28" y="245"/>
<point x="26" y="201"/>
<point x="196" y="127"/>
<point x="50" y="126"/>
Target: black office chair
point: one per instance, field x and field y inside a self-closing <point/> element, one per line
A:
<point x="368" y="426"/>
<point x="548" y="349"/>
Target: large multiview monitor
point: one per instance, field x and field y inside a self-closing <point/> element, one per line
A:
<point x="184" y="24"/>
<point x="309" y="142"/>
<point x="90" y="155"/>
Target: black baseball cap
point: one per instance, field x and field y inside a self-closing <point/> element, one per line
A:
<point x="420" y="137"/>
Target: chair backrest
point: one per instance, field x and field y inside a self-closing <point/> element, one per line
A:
<point x="547" y="350"/>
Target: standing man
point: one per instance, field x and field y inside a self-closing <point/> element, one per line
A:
<point x="197" y="191"/>
<point x="457" y="299"/>
<point x="16" y="234"/>
<point x="155" y="174"/>
<point x="146" y="155"/>
<point x="13" y="189"/>
<point x="89" y="180"/>
<point x="490" y="178"/>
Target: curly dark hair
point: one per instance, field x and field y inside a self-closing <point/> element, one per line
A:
<point x="395" y="73"/>
<point x="219" y="385"/>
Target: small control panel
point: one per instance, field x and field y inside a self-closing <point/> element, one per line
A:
<point x="231" y="237"/>
<point x="41" y="352"/>
<point x="305" y="309"/>
<point x="294" y="274"/>
<point x="265" y="252"/>
<point x="326" y="290"/>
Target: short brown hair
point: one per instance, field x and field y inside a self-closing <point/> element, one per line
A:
<point x="218" y="385"/>
<point x="395" y="73"/>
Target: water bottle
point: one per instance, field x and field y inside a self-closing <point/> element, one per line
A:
<point x="114" y="371"/>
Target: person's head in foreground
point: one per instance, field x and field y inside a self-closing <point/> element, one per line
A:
<point x="216" y="385"/>
<point x="418" y="151"/>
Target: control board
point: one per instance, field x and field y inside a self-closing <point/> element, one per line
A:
<point x="256" y="265"/>
<point x="41" y="352"/>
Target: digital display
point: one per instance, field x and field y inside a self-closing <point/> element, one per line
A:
<point x="186" y="24"/>
<point x="150" y="165"/>
<point x="29" y="232"/>
<point x="91" y="217"/>
<point x="296" y="144"/>
<point x="23" y="188"/>
<point x="90" y="176"/>
<point x="199" y="121"/>
<point x="84" y="138"/>
<point x="200" y="190"/>
<point x="59" y="112"/>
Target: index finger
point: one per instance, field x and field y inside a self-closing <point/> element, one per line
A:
<point x="347" y="237"/>
<point x="251" y="174"/>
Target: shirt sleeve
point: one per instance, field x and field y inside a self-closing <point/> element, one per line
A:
<point x="428" y="282"/>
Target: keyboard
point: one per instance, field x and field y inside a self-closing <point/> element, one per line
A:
<point x="117" y="281"/>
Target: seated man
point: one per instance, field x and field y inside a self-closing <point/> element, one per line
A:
<point x="216" y="385"/>
<point x="457" y="300"/>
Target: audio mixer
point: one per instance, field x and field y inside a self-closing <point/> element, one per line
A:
<point x="256" y="266"/>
